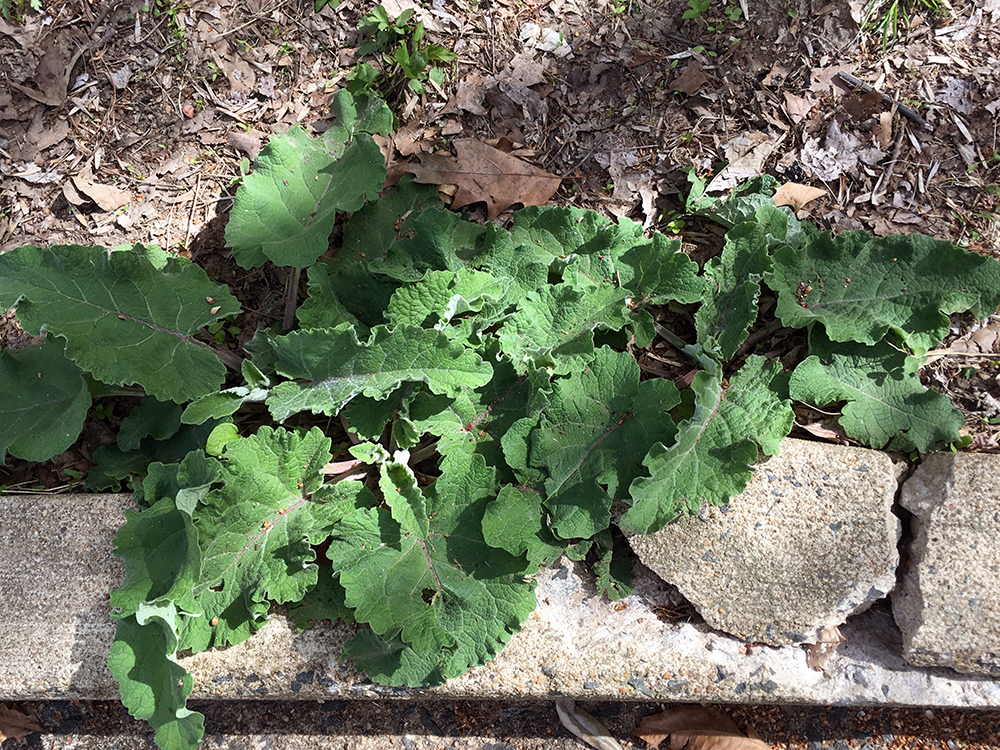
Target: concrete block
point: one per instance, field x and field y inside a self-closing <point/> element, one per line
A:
<point x="948" y="604"/>
<point x="811" y="541"/>
<point x="56" y="572"/>
<point x="55" y="633"/>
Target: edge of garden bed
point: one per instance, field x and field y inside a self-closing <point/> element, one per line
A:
<point x="57" y="631"/>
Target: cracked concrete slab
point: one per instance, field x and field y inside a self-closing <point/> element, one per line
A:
<point x="948" y="604"/>
<point x="811" y="541"/>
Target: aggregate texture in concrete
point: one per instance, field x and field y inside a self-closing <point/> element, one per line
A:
<point x="811" y="541"/>
<point x="948" y="604"/>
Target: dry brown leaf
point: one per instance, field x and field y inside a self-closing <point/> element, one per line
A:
<point x="107" y="197"/>
<point x="826" y="431"/>
<point x="822" y="651"/>
<point x="981" y="341"/>
<point x="249" y="143"/>
<point x="411" y="139"/>
<point x="747" y="154"/>
<point x="821" y="79"/>
<point x="470" y="94"/>
<point x="483" y="173"/>
<point x="798" y="107"/>
<point x="778" y="71"/>
<point x="15" y="724"/>
<point x="796" y="195"/>
<point x="53" y="71"/>
<point x="692" y="79"/>
<point x="695" y="728"/>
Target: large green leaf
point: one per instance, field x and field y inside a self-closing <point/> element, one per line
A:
<point x="886" y="404"/>
<point x="479" y="419"/>
<point x="45" y="401"/>
<point x="115" y="465"/>
<point x="154" y="687"/>
<point x="593" y="438"/>
<point x="157" y="419"/>
<point x="285" y="209"/>
<point x="124" y="320"/>
<point x="554" y="326"/>
<point x="729" y="298"/>
<point x="162" y="559"/>
<point x="332" y="367"/>
<point x="343" y="289"/>
<point x="739" y="206"/>
<point x="515" y="521"/>
<point x="860" y="287"/>
<point x="430" y="241"/>
<point x="258" y="530"/>
<point x="589" y="249"/>
<point x="438" y="599"/>
<point x="711" y="459"/>
<point x="443" y="295"/>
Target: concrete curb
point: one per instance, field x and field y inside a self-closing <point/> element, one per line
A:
<point x="59" y="568"/>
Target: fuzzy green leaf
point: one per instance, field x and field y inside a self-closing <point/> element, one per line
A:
<point x="162" y="559"/>
<point x="739" y="206"/>
<point x="343" y="290"/>
<point x="659" y="272"/>
<point x="729" y="299"/>
<point x="587" y="248"/>
<point x="124" y="320"/>
<point x="152" y="417"/>
<point x="186" y="482"/>
<point x="554" y="326"/>
<point x="860" y="287"/>
<point x="322" y="601"/>
<point x="153" y="686"/>
<point x="431" y="582"/>
<point x="613" y="567"/>
<point x="593" y="437"/>
<point x="431" y="242"/>
<point x="887" y="406"/>
<point x="285" y="209"/>
<point x="114" y="465"/>
<point x="370" y="232"/>
<point x="336" y="367"/>
<point x="45" y="401"/>
<point x="442" y="295"/>
<point x="515" y="522"/>
<point x="224" y="403"/>
<point x="258" y="531"/>
<point x="552" y="234"/>
<point x="479" y="419"/>
<point x="711" y="459"/>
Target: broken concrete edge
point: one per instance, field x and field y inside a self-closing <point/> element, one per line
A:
<point x="576" y="644"/>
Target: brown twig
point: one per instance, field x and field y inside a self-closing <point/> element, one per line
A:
<point x="856" y="84"/>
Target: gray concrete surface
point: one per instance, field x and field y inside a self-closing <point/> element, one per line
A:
<point x="948" y="605"/>
<point x="59" y="567"/>
<point x="811" y="541"/>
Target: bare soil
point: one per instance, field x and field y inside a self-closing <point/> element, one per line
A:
<point x="494" y="725"/>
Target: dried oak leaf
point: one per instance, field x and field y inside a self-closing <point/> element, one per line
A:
<point x="15" y="724"/>
<point x="483" y="173"/>
<point x="693" y="79"/>
<point x="695" y="728"/>
<point x="107" y="197"/>
<point x="797" y="195"/>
